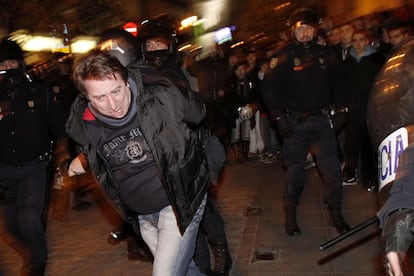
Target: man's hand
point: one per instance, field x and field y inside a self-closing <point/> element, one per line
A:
<point x="393" y="264"/>
<point x="397" y="237"/>
<point x="75" y="167"/>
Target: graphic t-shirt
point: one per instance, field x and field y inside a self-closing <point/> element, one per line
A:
<point x="134" y="168"/>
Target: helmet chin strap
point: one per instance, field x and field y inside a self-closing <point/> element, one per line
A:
<point x="12" y="78"/>
<point x="156" y="58"/>
<point x="306" y="44"/>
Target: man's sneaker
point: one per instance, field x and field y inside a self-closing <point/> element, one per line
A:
<point x="261" y="157"/>
<point x="269" y="158"/>
<point x="349" y="181"/>
<point x="309" y="164"/>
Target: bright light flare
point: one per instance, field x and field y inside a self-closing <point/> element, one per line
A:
<point x="41" y="43"/>
<point x="83" y="44"/>
<point x="188" y="22"/>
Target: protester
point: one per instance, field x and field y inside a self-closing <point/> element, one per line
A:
<point x="138" y="142"/>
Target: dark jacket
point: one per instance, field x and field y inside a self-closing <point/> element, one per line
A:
<point x="299" y="79"/>
<point x="164" y="116"/>
<point x="212" y="74"/>
<point x="360" y="74"/>
<point x="30" y="118"/>
<point x="238" y="94"/>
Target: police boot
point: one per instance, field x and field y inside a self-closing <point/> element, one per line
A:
<point x="33" y="271"/>
<point x="222" y="259"/>
<point x="245" y="150"/>
<point x="338" y="220"/>
<point x="137" y="249"/>
<point x="291" y="225"/>
<point x="236" y="149"/>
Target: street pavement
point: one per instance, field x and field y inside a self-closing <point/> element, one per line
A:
<point x="250" y="200"/>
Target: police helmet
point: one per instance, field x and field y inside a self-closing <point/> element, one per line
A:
<point x="10" y="50"/>
<point x="157" y="28"/>
<point x="304" y="16"/>
<point x="120" y="44"/>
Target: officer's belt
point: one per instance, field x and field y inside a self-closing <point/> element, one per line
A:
<point x="47" y="156"/>
<point x="307" y="114"/>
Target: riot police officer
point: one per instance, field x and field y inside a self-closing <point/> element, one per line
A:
<point x="158" y="40"/>
<point x="158" y="44"/>
<point x="30" y="119"/>
<point x="297" y="92"/>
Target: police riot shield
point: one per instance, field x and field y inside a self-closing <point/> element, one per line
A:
<point x="390" y="119"/>
<point x="390" y="113"/>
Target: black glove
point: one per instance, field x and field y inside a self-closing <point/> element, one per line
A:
<point x="339" y="118"/>
<point x="284" y="127"/>
<point x="397" y="234"/>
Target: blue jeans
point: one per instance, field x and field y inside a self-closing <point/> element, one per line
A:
<point x="173" y="252"/>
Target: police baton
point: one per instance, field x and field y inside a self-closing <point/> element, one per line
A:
<point x="348" y="233"/>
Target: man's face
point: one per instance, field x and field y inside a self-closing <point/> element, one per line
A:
<point x="346" y="34"/>
<point x="9" y="64"/>
<point x="251" y="58"/>
<point x="304" y="32"/>
<point x="396" y="36"/>
<point x="334" y="37"/>
<point x="110" y="97"/>
<point x="240" y="72"/>
<point x="359" y="42"/>
<point x="155" y="44"/>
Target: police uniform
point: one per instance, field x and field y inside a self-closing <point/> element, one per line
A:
<point x="298" y="92"/>
<point x="30" y="120"/>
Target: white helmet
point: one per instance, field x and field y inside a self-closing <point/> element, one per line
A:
<point x="245" y="113"/>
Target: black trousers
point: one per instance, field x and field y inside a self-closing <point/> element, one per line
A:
<point x="21" y="211"/>
<point x="358" y="147"/>
<point x="316" y="135"/>
<point x="211" y="230"/>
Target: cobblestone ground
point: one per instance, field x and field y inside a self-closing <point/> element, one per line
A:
<point x="250" y="200"/>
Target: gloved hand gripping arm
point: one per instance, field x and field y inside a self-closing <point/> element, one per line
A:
<point x="397" y="237"/>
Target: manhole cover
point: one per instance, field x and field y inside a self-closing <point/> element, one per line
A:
<point x="266" y="255"/>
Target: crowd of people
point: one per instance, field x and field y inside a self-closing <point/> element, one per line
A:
<point x="152" y="126"/>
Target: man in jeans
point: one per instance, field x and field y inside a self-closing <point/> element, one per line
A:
<point x="137" y="139"/>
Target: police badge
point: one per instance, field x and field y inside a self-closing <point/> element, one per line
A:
<point x="296" y="61"/>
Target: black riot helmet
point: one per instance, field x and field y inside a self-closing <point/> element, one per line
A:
<point x="10" y="50"/>
<point x="120" y="44"/>
<point x="304" y="16"/>
<point x="163" y="30"/>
